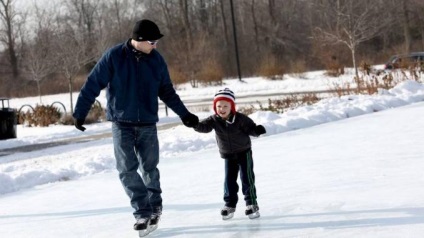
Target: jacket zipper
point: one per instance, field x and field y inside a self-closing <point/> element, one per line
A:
<point x="228" y="136"/>
<point x="138" y="75"/>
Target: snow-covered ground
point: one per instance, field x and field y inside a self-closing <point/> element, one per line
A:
<point x="356" y="177"/>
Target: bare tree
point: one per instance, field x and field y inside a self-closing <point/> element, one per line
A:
<point x="177" y="16"/>
<point x="418" y="9"/>
<point x="406" y="24"/>
<point x="10" y="20"/>
<point x="184" y="18"/>
<point x="255" y="24"/>
<point x="72" y="56"/>
<point x="200" y="30"/>
<point x="118" y="12"/>
<point x="351" y="23"/>
<point x="224" y="22"/>
<point x="85" y="16"/>
<point x="39" y="60"/>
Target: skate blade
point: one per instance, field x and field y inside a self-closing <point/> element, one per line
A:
<point x="153" y="227"/>
<point x="229" y="216"/>
<point x="254" y="215"/>
<point x="143" y="233"/>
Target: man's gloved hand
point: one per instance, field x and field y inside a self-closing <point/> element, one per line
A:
<point x="190" y="120"/>
<point x="259" y="130"/>
<point x="79" y="123"/>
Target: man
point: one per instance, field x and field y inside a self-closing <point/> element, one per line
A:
<point x="135" y="75"/>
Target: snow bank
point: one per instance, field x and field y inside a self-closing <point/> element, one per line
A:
<point x="25" y="170"/>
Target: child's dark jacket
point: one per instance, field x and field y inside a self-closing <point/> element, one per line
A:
<point x="232" y="135"/>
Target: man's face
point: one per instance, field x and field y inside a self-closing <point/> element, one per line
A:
<point x="223" y="109"/>
<point x="145" y="46"/>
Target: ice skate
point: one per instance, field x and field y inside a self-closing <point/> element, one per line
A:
<point x="227" y="212"/>
<point x="154" y="219"/>
<point x="142" y="226"/>
<point x="252" y="211"/>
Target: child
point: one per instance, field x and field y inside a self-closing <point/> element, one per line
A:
<point x="232" y="130"/>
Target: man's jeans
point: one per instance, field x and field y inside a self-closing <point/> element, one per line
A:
<point x="137" y="147"/>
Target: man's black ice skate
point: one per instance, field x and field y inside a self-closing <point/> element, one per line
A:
<point x="227" y="212"/>
<point x="142" y="226"/>
<point x="252" y="211"/>
<point x="154" y="219"/>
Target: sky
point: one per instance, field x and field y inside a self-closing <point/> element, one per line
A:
<point x="343" y="167"/>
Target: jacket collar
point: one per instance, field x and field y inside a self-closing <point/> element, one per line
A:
<point x="230" y="119"/>
<point x="129" y="50"/>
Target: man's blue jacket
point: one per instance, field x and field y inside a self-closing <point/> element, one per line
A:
<point x="133" y="87"/>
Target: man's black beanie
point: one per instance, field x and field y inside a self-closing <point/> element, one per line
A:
<point x="146" y="30"/>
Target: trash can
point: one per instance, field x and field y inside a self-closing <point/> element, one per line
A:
<point x="8" y="120"/>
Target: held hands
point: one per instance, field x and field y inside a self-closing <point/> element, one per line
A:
<point x="259" y="130"/>
<point x="190" y="120"/>
<point x="79" y="123"/>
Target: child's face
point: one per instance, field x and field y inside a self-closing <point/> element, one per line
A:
<point x="223" y="108"/>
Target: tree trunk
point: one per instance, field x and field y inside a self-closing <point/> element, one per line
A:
<point x="12" y="56"/>
<point x="7" y="15"/>
<point x="255" y="25"/>
<point x="422" y="38"/>
<point x="353" y="50"/>
<point x="70" y="94"/>
<point x="118" y="17"/>
<point x="224" y="23"/>
<point x="406" y="26"/>
<point x="39" y="89"/>
<point x="186" y="23"/>
<point x="166" y="14"/>
<point x="204" y="19"/>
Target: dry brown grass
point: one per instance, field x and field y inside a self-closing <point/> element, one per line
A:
<point x="333" y="67"/>
<point x="271" y="68"/>
<point x="41" y="116"/>
<point x="284" y="104"/>
<point x="44" y="116"/>
<point x="211" y="73"/>
<point x="298" y="68"/>
<point x="369" y="83"/>
<point x="177" y="76"/>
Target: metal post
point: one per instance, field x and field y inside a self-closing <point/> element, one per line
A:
<point x="235" y="40"/>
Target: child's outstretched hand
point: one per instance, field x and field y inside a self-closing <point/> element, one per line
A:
<point x="259" y="130"/>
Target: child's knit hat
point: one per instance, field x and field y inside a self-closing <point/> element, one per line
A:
<point x="227" y="95"/>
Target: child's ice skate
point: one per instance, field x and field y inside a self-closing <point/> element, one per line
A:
<point x="227" y="212"/>
<point x="252" y="211"/>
